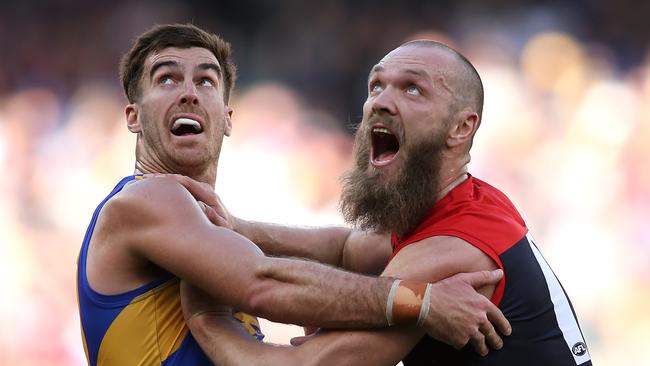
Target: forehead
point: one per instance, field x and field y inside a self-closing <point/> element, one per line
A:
<point x="182" y="56"/>
<point x="426" y="60"/>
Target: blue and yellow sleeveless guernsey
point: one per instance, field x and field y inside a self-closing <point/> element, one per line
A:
<point x="143" y="326"/>
<point x="545" y="329"/>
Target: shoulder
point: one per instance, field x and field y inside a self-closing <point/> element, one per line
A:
<point x="153" y="189"/>
<point x="151" y="197"/>
<point x="131" y="226"/>
<point x="479" y="214"/>
<point x="154" y="203"/>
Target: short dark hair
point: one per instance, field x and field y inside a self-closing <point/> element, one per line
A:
<point x="174" y="35"/>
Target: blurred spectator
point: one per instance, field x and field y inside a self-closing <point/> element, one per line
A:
<point x="565" y="133"/>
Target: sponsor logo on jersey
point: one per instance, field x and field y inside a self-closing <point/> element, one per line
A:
<point x="579" y="349"/>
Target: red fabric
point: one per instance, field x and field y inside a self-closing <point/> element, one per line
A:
<point x="477" y="213"/>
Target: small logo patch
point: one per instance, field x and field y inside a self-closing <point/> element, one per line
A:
<point x="579" y="349"/>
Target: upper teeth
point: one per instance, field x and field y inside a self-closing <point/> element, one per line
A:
<point x="186" y="121"/>
<point x="380" y="129"/>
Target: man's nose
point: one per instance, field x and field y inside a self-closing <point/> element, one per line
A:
<point x="189" y="94"/>
<point x="384" y="102"/>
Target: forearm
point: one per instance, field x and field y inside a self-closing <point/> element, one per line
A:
<point x="322" y="244"/>
<point x="234" y="272"/>
<point x="224" y="342"/>
<point x="227" y="343"/>
<point x="311" y="294"/>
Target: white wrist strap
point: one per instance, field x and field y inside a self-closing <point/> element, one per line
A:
<point x="424" y="309"/>
<point x="389" y="302"/>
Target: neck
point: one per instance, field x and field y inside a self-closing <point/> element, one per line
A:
<point x="450" y="178"/>
<point x="208" y="176"/>
<point x="147" y="161"/>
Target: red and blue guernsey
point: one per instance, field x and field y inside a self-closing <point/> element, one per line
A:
<point x="545" y="329"/>
<point x="144" y="326"/>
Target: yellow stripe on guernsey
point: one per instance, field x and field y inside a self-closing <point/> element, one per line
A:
<point x="147" y="331"/>
<point x="250" y="323"/>
<point x="151" y="328"/>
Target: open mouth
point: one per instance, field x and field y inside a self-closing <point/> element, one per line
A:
<point x="385" y="146"/>
<point x="186" y="126"/>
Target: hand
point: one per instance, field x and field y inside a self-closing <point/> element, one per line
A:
<point x="207" y="198"/>
<point x="459" y="314"/>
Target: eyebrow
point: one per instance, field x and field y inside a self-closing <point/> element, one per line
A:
<point x="158" y="65"/>
<point x="374" y="70"/>
<point x="174" y="64"/>
<point x="209" y="66"/>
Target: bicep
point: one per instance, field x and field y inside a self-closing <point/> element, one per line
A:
<point x="366" y="252"/>
<point x="436" y="258"/>
<point x="163" y="224"/>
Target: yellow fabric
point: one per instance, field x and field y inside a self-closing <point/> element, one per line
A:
<point x="250" y="323"/>
<point x="147" y="330"/>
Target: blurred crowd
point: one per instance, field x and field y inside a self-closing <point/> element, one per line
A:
<point x="565" y="134"/>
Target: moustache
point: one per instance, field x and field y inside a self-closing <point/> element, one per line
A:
<point x="189" y="110"/>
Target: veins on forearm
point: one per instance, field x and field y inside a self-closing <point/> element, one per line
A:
<point x="317" y="295"/>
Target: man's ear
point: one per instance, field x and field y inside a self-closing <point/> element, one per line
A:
<point x="228" y="128"/>
<point x="132" y="121"/>
<point x="463" y="129"/>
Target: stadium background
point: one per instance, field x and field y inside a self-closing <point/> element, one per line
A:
<point x="565" y="134"/>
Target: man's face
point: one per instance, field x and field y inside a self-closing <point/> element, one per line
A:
<point x="400" y="141"/>
<point x="180" y="112"/>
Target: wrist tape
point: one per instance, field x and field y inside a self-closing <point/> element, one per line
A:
<point x="408" y="302"/>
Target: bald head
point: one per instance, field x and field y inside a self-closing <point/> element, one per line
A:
<point x="462" y="76"/>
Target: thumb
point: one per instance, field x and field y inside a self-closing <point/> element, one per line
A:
<point x="484" y="278"/>
<point x="204" y="207"/>
<point x="297" y="341"/>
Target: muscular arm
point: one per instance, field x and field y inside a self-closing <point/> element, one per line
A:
<point x="354" y="250"/>
<point x="228" y="345"/>
<point x="431" y="260"/>
<point x="357" y="251"/>
<point x="158" y="221"/>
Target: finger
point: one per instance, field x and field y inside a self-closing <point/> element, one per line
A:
<point x="152" y="175"/>
<point x="492" y="339"/>
<point x="478" y="342"/>
<point x="219" y="221"/>
<point x="460" y="344"/>
<point x="200" y="191"/>
<point x="297" y="341"/>
<point x="219" y="206"/>
<point x="212" y="215"/>
<point x="499" y="320"/>
<point x="483" y="278"/>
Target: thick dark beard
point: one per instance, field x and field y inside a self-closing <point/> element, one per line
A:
<point x="398" y="204"/>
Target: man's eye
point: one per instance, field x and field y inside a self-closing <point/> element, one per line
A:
<point x="166" y="80"/>
<point x="413" y="90"/>
<point x="376" y="88"/>
<point x="206" y="82"/>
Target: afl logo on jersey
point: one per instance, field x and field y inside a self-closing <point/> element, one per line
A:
<point x="579" y="349"/>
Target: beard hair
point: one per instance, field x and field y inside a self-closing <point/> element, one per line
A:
<point x="398" y="204"/>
